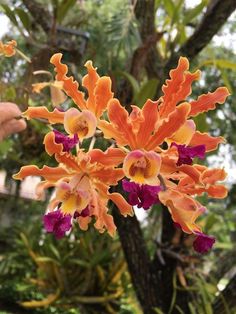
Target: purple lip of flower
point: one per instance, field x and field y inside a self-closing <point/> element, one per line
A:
<point x="84" y="213"/>
<point x="186" y="154"/>
<point x="141" y="195"/>
<point x="57" y="223"/>
<point x="68" y="143"/>
<point x="203" y="243"/>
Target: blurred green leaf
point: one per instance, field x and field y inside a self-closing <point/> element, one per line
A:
<point x="63" y="9"/>
<point x="147" y="91"/>
<point x="24" y="17"/>
<point x="133" y="82"/>
<point x="194" y="12"/>
<point x="10" y="14"/>
<point x="169" y="7"/>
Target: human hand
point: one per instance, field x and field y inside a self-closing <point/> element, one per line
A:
<point x="8" y="122"/>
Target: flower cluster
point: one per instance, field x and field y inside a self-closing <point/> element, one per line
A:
<point x="154" y="147"/>
<point x="8" y="49"/>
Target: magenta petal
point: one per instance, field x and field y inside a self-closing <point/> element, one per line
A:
<point x="129" y="186"/>
<point x="67" y="142"/>
<point x="141" y="195"/>
<point x="186" y="154"/>
<point x="57" y="223"/>
<point x="84" y="213"/>
<point x="203" y="243"/>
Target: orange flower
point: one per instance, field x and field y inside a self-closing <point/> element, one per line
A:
<point x="8" y="49"/>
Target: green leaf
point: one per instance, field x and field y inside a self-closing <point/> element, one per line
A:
<point x="211" y="220"/>
<point x="194" y="12"/>
<point x="226" y="80"/>
<point x="147" y="90"/>
<point x="10" y="14"/>
<point x="133" y="82"/>
<point x="169" y="7"/>
<point x="24" y="18"/>
<point x="221" y="63"/>
<point x="63" y="9"/>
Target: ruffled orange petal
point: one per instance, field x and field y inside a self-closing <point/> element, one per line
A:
<point x="217" y="191"/>
<point x="169" y="126"/>
<point x="107" y="175"/>
<point x="184" y="210"/>
<point x="51" y="146"/>
<point x="103" y="94"/>
<point x="109" y="131"/>
<point x="210" y="142"/>
<point x="208" y="101"/>
<point x="41" y="186"/>
<point x="110" y="158"/>
<point x="84" y="222"/>
<point x="173" y="87"/>
<point x="70" y="86"/>
<point x="125" y="208"/>
<point x="48" y="173"/>
<point x="89" y="82"/>
<point x="71" y="162"/>
<point x="119" y="118"/>
<point x="147" y="125"/>
<point x="81" y="123"/>
<point x="42" y="112"/>
<point x="211" y="176"/>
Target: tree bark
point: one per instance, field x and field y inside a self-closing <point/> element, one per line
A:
<point x="144" y="278"/>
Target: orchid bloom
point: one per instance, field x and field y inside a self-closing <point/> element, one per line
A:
<point x="8" y="49"/>
<point x="157" y="173"/>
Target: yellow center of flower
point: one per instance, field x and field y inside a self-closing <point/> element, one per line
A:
<point x="80" y="126"/>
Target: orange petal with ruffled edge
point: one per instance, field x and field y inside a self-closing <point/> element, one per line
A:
<point x="217" y="191"/>
<point x="173" y="87"/>
<point x="42" y="112"/>
<point x="169" y="126"/>
<point x="211" y="176"/>
<point x="89" y="82"/>
<point x="84" y="222"/>
<point x="51" y="146"/>
<point x="104" y="221"/>
<point x="82" y="123"/>
<point x="71" y="162"/>
<point x="109" y="131"/>
<point x="107" y="175"/>
<point x="184" y="210"/>
<point x="208" y="101"/>
<point x="119" y="118"/>
<point x="51" y="174"/>
<point x="41" y="186"/>
<point x="124" y="207"/>
<point x="211" y="143"/>
<point x="147" y="125"/>
<point x="70" y="86"/>
<point x="184" y="134"/>
<point x="103" y="95"/>
<point x="142" y="167"/>
<point x="110" y="158"/>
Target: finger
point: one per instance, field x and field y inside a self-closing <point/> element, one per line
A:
<point x="8" y="111"/>
<point x="13" y="126"/>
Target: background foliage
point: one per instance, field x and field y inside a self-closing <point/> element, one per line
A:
<point x="87" y="272"/>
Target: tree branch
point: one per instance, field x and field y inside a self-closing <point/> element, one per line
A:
<point x="216" y="15"/>
<point x="144" y="278"/>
